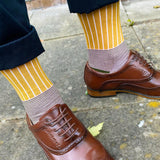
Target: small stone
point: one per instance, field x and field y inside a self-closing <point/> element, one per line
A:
<point x="140" y="125"/>
<point x="138" y="149"/>
<point x="3" y="120"/>
<point x="13" y="107"/>
<point x="115" y="99"/>
<point x="151" y="120"/>
<point x="70" y="88"/>
<point x="141" y="104"/>
<point x="148" y="48"/>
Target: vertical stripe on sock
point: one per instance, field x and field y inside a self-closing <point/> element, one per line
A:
<point x="89" y="21"/>
<point x="29" y="80"/>
<point x="85" y="30"/>
<point x="100" y="22"/>
<point x="102" y="27"/>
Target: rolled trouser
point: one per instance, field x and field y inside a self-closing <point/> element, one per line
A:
<point x="87" y="6"/>
<point x="19" y="41"/>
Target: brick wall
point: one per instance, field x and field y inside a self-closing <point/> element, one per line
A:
<point x="35" y="4"/>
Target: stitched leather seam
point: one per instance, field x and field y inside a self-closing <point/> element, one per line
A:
<point x="125" y="81"/>
<point x="140" y="87"/>
<point x="68" y="148"/>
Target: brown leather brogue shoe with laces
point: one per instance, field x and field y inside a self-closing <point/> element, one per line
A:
<point x="63" y="137"/>
<point x="136" y="77"/>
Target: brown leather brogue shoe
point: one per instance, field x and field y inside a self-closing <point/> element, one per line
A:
<point x="136" y="77"/>
<point x="63" y="137"/>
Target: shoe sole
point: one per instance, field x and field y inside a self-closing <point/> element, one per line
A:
<point x="99" y="94"/>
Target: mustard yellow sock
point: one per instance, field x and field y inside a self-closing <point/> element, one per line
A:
<point x="107" y="49"/>
<point x="36" y="91"/>
<point x="102" y="27"/>
<point x="29" y="80"/>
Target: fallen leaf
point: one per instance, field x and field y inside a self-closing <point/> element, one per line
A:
<point x="123" y="146"/>
<point x="74" y="109"/>
<point x="153" y="104"/>
<point x="116" y="107"/>
<point x="1" y="142"/>
<point x="158" y="6"/>
<point x="95" y="130"/>
<point x="148" y="155"/>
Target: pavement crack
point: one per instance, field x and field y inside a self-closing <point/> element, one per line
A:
<point x="4" y="120"/>
<point x="64" y="37"/>
<point x="138" y="39"/>
<point x="134" y="30"/>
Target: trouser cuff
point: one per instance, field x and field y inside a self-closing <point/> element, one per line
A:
<point x="20" y="51"/>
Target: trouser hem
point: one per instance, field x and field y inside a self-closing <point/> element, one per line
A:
<point x="20" y="51"/>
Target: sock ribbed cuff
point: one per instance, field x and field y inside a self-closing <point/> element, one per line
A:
<point x="40" y="104"/>
<point x="109" y="60"/>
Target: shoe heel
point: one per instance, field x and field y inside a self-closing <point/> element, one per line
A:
<point x="101" y="94"/>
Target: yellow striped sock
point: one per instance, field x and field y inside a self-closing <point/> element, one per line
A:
<point x="102" y="27"/>
<point x="29" y="80"/>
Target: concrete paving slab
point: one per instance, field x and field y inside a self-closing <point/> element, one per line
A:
<point x="131" y="129"/>
<point x="17" y="142"/>
<point x="149" y="35"/>
<point x="122" y="134"/>
<point x="142" y="10"/>
<point x="56" y="22"/>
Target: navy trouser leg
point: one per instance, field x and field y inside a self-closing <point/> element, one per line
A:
<point x="87" y="6"/>
<point x="19" y="42"/>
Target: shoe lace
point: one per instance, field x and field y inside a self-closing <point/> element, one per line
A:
<point x="142" y="60"/>
<point x="59" y="118"/>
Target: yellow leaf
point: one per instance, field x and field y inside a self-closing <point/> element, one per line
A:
<point x="116" y="107"/>
<point x="156" y="6"/>
<point x="1" y="142"/>
<point x="148" y="155"/>
<point x="74" y="109"/>
<point x="123" y="146"/>
<point x="95" y="130"/>
<point x="153" y="104"/>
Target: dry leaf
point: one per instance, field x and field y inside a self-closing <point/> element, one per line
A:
<point x="95" y="130"/>
<point x="74" y="109"/>
<point x="154" y="104"/>
<point x="158" y="6"/>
